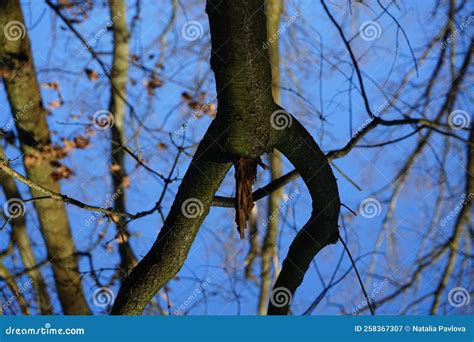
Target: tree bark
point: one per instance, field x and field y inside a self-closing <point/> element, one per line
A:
<point x="169" y="251"/>
<point x="322" y="228"/>
<point x="244" y="128"/>
<point x="18" y="71"/>
<point x="15" y="289"/>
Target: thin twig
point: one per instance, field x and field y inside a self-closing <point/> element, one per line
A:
<point x="358" y="276"/>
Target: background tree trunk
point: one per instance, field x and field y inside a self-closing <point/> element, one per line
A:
<point x="117" y="108"/>
<point x="269" y="249"/>
<point x="23" y="93"/>
<point x="22" y="241"/>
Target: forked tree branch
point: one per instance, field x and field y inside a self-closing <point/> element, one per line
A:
<point x="248" y="124"/>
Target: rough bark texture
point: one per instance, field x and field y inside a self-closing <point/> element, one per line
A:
<point x="243" y="76"/>
<point x="322" y="228"/>
<point x="17" y="69"/>
<point x="243" y="128"/>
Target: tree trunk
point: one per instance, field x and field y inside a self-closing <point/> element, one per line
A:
<point x="269" y="248"/>
<point x="23" y="93"/>
<point x="15" y="289"/>
<point x="248" y="124"/>
<point x="22" y="241"/>
<point x="117" y="107"/>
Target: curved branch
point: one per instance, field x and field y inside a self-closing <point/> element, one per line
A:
<point x="274" y="185"/>
<point x="303" y="152"/>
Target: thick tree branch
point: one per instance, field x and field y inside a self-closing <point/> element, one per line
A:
<point x="274" y="185"/>
<point x="247" y="125"/>
<point x="322" y="228"/>
<point x="190" y="207"/>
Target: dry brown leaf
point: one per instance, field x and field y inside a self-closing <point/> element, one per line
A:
<point x="115" y="167"/>
<point x="82" y="141"/>
<point x="152" y="83"/>
<point x="162" y="146"/>
<point x="68" y="145"/>
<point x="51" y="85"/>
<point x="125" y="182"/>
<point x="61" y="171"/>
<point x="55" y="104"/>
<point x="31" y="159"/>
<point x="92" y="74"/>
<point x="199" y="105"/>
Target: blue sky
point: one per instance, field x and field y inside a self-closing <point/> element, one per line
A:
<point x="311" y="84"/>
